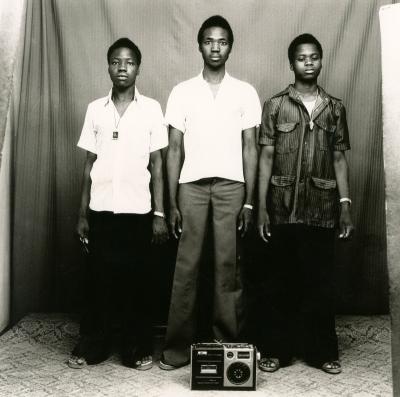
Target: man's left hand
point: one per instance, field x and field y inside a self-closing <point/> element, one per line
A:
<point x="245" y="220"/>
<point x="160" y="230"/>
<point x="345" y="224"/>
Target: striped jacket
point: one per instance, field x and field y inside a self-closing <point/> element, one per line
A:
<point x="303" y="183"/>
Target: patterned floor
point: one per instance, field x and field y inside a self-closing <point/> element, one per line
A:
<point x="32" y="356"/>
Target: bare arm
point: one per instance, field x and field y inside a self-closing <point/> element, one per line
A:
<point x="160" y="231"/>
<point x="82" y="227"/>
<point x="249" y="169"/>
<point x="174" y="165"/>
<point x="264" y="175"/>
<point x="342" y="180"/>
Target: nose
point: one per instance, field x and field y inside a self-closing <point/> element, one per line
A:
<point x="122" y="65"/>
<point x="215" y="46"/>
<point x="309" y="61"/>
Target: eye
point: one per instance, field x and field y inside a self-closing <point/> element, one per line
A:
<point x="300" y="59"/>
<point x="131" y="63"/>
<point x="207" y="42"/>
<point x="315" y="57"/>
<point x="114" y="62"/>
<point x="224" y="43"/>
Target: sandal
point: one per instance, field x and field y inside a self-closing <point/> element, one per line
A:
<point x="268" y="364"/>
<point x="332" y="367"/>
<point x="144" y="363"/>
<point x="76" y="362"/>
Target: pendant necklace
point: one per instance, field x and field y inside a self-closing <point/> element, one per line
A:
<point x="115" y="132"/>
<point x="315" y="94"/>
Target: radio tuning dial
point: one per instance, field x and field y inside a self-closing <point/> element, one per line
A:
<point x="229" y="354"/>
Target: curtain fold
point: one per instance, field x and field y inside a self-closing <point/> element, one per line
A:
<point x="64" y="68"/>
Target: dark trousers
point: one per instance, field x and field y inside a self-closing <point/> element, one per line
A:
<point x="224" y="198"/>
<point x="118" y="286"/>
<point x="297" y="304"/>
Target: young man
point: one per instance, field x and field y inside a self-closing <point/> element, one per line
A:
<point x="122" y="132"/>
<point x="212" y="119"/>
<point x="303" y="196"/>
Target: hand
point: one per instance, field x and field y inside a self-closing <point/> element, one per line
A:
<point x="160" y="230"/>
<point x="345" y="224"/>
<point x="263" y="225"/>
<point x="245" y="219"/>
<point x="82" y="228"/>
<point x="175" y="222"/>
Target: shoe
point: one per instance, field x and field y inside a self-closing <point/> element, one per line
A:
<point x="268" y="364"/>
<point x="76" y="362"/>
<point x="169" y="367"/>
<point x="332" y="367"/>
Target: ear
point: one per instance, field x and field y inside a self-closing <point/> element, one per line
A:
<point x="138" y="71"/>
<point x="291" y="67"/>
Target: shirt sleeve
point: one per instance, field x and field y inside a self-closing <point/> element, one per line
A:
<point x="252" y="109"/>
<point x="175" y="114"/>
<point x="87" y="140"/>
<point x="267" y="130"/>
<point x="341" y="140"/>
<point x="158" y="134"/>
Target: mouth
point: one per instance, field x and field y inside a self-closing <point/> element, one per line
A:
<point x="310" y="71"/>
<point x="122" y="77"/>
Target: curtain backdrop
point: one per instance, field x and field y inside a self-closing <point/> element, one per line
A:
<point x="11" y="17"/>
<point x="64" y="68"/>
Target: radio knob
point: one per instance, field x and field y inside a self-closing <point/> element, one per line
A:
<point x="229" y="354"/>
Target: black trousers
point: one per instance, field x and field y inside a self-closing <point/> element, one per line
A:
<point x="297" y="302"/>
<point x="118" y="286"/>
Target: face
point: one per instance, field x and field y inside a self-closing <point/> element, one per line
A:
<point x="307" y="62"/>
<point x="215" y="47"/>
<point x="123" y="67"/>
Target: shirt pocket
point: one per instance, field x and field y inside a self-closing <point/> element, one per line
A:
<point x="281" y="193"/>
<point x="323" y="197"/>
<point x="287" y="139"/>
<point x="325" y="134"/>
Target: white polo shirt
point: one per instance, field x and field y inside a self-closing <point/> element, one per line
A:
<point x="212" y="127"/>
<point x="120" y="178"/>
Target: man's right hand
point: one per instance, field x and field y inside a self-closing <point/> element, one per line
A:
<point x="82" y="228"/>
<point x="175" y="222"/>
<point x="263" y="225"/>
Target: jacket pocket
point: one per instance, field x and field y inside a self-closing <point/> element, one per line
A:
<point x="281" y="193"/>
<point x="325" y="134"/>
<point x="287" y="140"/>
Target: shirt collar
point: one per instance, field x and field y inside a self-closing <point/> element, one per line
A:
<point x="226" y="78"/>
<point x="108" y="98"/>
<point x="292" y="92"/>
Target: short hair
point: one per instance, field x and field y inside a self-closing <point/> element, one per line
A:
<point x="215" y="21"/>
<point x="305" y="38"/>
<point x="125" y="43"/>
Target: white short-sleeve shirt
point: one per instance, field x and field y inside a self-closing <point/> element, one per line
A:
<point x="120" y="178"/>
<point x="212" y="127"/>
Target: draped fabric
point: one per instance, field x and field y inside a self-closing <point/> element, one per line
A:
<point x="390" y="31"/>
<point x="64" y="68"/>
<point x="11" y="17"/>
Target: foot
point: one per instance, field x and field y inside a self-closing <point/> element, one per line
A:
<point x="332" y="367"/>
<point x="144" y="363"/>
<point x="268" y="364"/>
<point x="132" y="358"/>
<point x="76" y="362"/>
